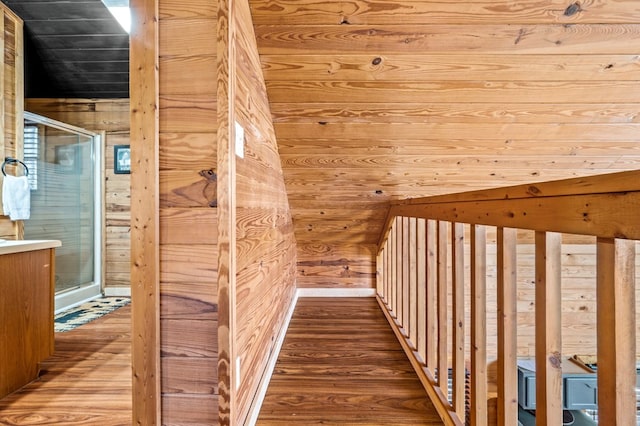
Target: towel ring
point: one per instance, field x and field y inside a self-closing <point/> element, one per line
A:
<point x="14" y="161"/>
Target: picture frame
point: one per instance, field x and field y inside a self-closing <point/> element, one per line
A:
<point x="122" y="159"/>
<point x="67" y="157"/>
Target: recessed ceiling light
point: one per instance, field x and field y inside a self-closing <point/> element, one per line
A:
<point x="120" y="10"/>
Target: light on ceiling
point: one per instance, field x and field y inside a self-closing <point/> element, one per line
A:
<point x="120" y="10"/>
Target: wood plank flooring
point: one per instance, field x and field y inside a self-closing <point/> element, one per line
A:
<point x="341" y="364"/>
<point x="86" y="382"/>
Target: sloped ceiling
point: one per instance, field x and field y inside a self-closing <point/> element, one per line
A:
<point x="378" y="100"/>
<point x="73" y="49"/>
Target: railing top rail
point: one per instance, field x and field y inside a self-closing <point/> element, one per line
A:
<point x="598" y="184"/>
<point x="603" y="206"/>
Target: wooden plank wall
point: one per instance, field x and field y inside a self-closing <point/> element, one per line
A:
<point x="378" y="100"/>
<point x="578" y="271"/>
<point x="187" y="215"/>
<point x="11" y="81"/>
<point x="261" y="258"/>
<point x="112" y="117"/>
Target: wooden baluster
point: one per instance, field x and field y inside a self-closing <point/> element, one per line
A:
<point x="616" y="331"/>
<point x="457" y="319"/>
<point x="389" y="271"/>
<point x="406" y="260"/>
<point x="443" y="368"/>
<point x="432" y="296"/>
<point x="421" y="277"/>
<point x="396" y="267"/>
<point x="413" y="289"/>
<point x="548" y="338"/>
<point x="478" y="409"/>
<point x="380" y="273"/>
<point x="507" y="333"/>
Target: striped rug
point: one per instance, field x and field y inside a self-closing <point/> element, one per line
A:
<point x="89" y="311"/>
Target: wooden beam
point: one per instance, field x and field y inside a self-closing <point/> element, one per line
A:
<point x="227" y="371"/>
<point x="616" y="311"/>
<point x="548" y="338"/>
<point x="145" y="240"/>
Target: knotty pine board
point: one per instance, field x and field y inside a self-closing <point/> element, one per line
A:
<point x="447" y="112"/>
<point x="416" y="67"/>
<point x="383" y="12"/>
<point x="277" y="39"/>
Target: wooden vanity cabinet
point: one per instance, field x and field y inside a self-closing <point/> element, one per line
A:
<point x="26" y="315"/>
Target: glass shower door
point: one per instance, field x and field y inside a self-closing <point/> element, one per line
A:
<point x="65" y="203"/>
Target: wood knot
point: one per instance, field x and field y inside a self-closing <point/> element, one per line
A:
<point x="555" y="360"/>
<point x="533" y="190"/>
<point x="376" y="61"/>
<point x="572" y="9"/>
<point x="209" y="174"/>
<point x="209" y="191"/>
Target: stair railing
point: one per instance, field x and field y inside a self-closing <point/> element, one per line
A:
<point x="422" y="276"/>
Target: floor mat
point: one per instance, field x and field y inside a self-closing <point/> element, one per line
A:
<point x="89" y="311"/>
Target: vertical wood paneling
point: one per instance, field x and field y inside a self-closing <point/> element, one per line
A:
<point x="616" y="331"/>
<point x="145" y="272"/>
<point x="548" y="297"/>
<point x="457" y="318"/>
<point x="507" y="327"/>
<point x="478" y="397"/>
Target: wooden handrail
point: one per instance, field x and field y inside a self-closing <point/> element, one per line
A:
<point x="422" y="272"/>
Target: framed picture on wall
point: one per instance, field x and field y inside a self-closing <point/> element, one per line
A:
<point x="122" y="159"/>
<point x="67" y="157"/>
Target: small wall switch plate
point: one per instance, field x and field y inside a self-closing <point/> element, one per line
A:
<point x="239" y="140"/>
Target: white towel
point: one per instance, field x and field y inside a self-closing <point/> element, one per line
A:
<point x="16" y="197"/>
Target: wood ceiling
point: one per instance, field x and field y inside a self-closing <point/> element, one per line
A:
<point x="73" y="49"/>
<point x="376" y="100"/>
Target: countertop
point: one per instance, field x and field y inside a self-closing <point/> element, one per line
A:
<point x="18" y="246"/>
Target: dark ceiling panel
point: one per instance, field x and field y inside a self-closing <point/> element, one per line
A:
<point x="73" y="48"/>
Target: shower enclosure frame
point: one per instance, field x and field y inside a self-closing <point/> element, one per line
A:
<point x="90" y="290"/>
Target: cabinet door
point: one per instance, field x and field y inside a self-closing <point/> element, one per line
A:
<point x="26" y="316"/>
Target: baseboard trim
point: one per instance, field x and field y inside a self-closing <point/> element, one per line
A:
<point x="117" y="291"/>
<point x="336" y="292"/>
<point x="256" y="405"/>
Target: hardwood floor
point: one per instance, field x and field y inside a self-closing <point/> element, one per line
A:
<point x="341" y="364"/>
<point x="86" y="382"/>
